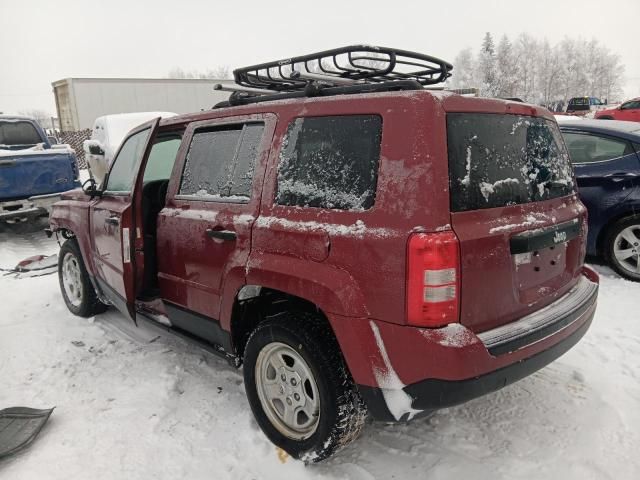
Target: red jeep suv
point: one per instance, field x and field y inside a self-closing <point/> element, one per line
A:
<point x="360" y="243"/>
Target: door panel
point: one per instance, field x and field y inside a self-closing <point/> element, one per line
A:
<point x="204" y="232"/>
<point x="110" y="219"/>
<point x="607" y="171"/>
<point x="193" y="275"/>
<point x="112" y="223"/>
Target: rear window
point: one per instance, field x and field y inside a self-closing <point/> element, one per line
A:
<point x="579" y="101"/>
<point x="330" y="162"/>
<point x="499" y="160"/>
<point x="18" y="133"/>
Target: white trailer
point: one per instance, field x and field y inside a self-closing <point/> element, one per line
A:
<point x="80" y="101"/>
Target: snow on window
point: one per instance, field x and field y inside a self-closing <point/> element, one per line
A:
<point x="498" y="160"/>
<point x="220" y="162"/>
<point x="330" y="162"/>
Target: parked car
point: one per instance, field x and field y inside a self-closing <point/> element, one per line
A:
<point x="627" y="111"/>
<point x="563" y="117"/>
<point x="606" y="158"/>
<point x="33" y="172"/>
<point x="368" y="247"/>
<point x="107" y="134"/>
<point x="585" y="106"/>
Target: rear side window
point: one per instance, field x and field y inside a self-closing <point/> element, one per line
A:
<point x="585" y="148"/>
<point x="220" y="162"/>
<point x="18" y="134"/>
<point x="499" y="160"/>
<point x="330" y="162"/>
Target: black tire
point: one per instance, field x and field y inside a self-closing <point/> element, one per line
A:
<point x="88" y="303"/>
<point x="609" y="245"/>
<point x="342" y="412"/>
<point x="605" y="118"/>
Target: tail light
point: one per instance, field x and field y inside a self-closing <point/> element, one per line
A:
<point x="433" y="279"/>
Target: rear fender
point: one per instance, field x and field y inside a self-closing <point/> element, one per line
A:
<point x="331" y="289"/>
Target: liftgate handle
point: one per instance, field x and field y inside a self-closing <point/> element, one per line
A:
<point x="227" y="235"/>
<point x="112" y="220"/>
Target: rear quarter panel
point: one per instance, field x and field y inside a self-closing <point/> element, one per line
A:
<point x="352" y="263"/>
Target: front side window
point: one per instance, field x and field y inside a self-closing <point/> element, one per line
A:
<point x="587" y="148"/>
<point x="630" y="105"/>
<point x="221" y="161"/>
<point x="124" y="166"/>
<point x="330" y="162"/>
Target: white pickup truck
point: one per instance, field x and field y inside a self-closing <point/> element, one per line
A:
<point x="107" y="135"/>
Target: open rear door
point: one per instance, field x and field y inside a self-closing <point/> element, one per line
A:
<point x="113" y="225"/>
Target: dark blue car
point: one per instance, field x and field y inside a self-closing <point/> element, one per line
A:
<point x="606" y="157"/>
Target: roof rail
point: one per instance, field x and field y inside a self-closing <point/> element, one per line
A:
<point x="349" y="65"/>
<point x="340" y="71"/>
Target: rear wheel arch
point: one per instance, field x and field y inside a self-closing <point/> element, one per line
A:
<point x="254" y="304"/>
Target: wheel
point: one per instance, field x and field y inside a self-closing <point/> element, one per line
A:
<point x="605" y="118"/>
<point x="622" y="248"/>
<point x="75" y="285"/>
<point x="299" y="388"/>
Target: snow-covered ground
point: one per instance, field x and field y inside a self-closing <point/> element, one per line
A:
<point x="141" y="404"/>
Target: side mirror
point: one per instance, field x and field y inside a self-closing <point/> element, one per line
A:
<point x="90" y="187"/>
<point x="93" y="147"/>
<point x="52" y="140"/>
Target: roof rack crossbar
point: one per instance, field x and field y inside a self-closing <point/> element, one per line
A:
<point x="240" y="97"/>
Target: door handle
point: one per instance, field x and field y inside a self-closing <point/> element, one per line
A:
<point x="226" y="235"/>
<point x="112" y="221"/>
<point x="619" y="177"/>
<point x="7" y="163"/>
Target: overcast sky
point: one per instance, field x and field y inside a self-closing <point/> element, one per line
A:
<point x="47" y="40"/>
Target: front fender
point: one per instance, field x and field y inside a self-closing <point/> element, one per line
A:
<point x="73" y="215"/>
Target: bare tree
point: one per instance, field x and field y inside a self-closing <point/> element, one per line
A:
<point x="44" y="118"/>
<point x="220" y="72"/>
<point x="540" y="72"/>
<point x="464" y="72"/>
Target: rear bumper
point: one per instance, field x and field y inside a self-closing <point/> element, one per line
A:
<point x="433" y="394"/>
<point x="445" y="367"/>
<point x="35" y="206"/>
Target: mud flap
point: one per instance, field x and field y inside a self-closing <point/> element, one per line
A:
<point x="19" y="426"/>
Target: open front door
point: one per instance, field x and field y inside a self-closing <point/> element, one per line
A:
<point x="112" y="215"/>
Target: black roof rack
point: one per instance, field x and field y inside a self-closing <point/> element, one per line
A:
<point x="352" y="69"/>
<point x="346" y="65"/>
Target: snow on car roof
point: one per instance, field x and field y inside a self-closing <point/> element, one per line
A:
<point x="612" y="125"/>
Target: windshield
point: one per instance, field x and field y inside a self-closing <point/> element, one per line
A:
<point x="18" y="134"/>
<point x="498" y="160"/>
